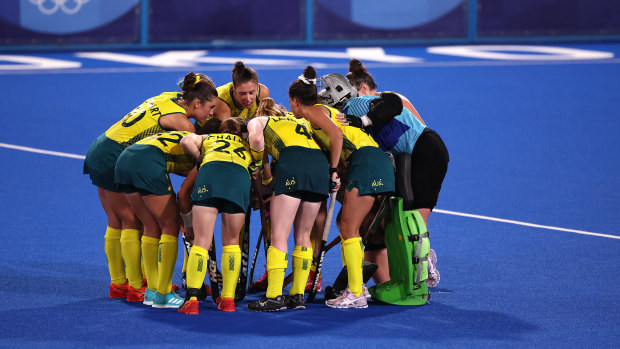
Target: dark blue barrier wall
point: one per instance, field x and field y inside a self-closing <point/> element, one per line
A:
<point x="498" y="18"/>
<point x="85" y="24"/>
<point x="238" y="20"/>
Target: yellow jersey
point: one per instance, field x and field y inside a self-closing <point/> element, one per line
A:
<point x="177" y="160"/>
<point x="226" y="147"/>
<point x="143" y="121"/>
<point x="286" y="131"/>
<point x="353" y="137"/>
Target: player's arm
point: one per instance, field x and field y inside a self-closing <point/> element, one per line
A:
<point x="176" y="122"/>
<point x="384" y="109"/>
<point x="409" y="106"/>
<point x="255" y="135"/>
<point x="321" y="120"/>
<point x="184" y="200"/>
<point x="191" y="144"/>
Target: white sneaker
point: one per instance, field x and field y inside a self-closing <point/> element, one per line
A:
<point x="365" y="292"/>
<point x="348" y="300"/>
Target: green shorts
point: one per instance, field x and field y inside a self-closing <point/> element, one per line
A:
<point x="370" y="171"/>
<point x="100" y="162"/>
<point x="223" y="180"/>
<point x="142" y="168"/>
<point x="302" y="173"/>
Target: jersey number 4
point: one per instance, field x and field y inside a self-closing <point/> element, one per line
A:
<point x="240" y="152"/>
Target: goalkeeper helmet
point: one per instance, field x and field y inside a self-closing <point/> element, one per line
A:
<point x="337" y="90"/>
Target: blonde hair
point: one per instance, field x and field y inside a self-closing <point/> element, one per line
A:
<point x="268" y="107"/>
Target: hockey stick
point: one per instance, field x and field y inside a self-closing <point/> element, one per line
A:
<point x="263" y="221"/>
<point x="245" y="247"/>
<point x="213" y="273"/>
<point x="319" y="264"/>
<point x="371" y="230"/>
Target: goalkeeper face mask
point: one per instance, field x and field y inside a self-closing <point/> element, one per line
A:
<point x="337" y="90"/>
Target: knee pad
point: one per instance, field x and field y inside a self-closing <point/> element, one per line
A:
<point x="404" y="187"/>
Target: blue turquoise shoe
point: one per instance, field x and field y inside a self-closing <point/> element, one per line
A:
<point x="168" y="300"/>
<point x="148" y="296"/>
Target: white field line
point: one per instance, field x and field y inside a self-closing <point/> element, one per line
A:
<point x="341" y="66"/>
<point x="582" y="232"/>
<point x="41" y="151"/>
<point x="526" y="224"/>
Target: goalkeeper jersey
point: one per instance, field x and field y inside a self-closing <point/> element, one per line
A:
<point x="398" y="136"/>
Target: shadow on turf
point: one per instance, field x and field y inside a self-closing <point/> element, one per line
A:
<point x="435" y="322"/>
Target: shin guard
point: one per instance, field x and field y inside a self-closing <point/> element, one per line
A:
<point x="408" y="247"/>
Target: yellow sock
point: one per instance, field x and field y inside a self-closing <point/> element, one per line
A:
<point x="168" y="250"/>
<point x="150" y="248"/>
<point x="302" y="261"/>
<point x="130" y="247"/>
<point x="112" y="247"/>
<point x="231" y="262"/>
<point x="196" y="267"/>
<point x="353" y="251"/>
<point x="277" y="261"/>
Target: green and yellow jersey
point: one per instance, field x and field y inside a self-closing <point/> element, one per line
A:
<point x="286" y="131"/>
<point x="143" y="121"/>
<point x="353" y="137"/>
<point x="226" y="147"/>
<point x="177" y="160"/>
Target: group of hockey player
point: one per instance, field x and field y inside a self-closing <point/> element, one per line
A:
<point x="341" y="140"/>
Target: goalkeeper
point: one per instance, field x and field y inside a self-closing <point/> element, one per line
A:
<point x="421" y="160"/>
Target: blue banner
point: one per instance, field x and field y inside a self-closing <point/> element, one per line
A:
<point x="389" y="19"/>
<point x="69" y="21"/>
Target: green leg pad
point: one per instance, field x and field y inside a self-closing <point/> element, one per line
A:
<point x="407" y="243"/>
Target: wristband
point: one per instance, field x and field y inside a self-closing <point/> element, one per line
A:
<point x="257" y="155"/>
<point x="333" y="170"/>
<point x="187" y="219"/>
<point x="267" y="181"/>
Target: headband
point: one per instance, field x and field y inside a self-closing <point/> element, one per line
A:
<point x="307" y="81"/>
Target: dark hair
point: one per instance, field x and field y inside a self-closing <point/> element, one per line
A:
<point x="358" y="74"/>
<point x="268" y="107"/>
<point x="305" y="91"/>
<point x="212" y="125"/>
<point x="242" y="74"/>
<point x="234" y="125"/>
<point x="197" y="86"/>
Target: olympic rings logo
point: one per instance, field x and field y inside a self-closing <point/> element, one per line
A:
<point x="63" y="5"/>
